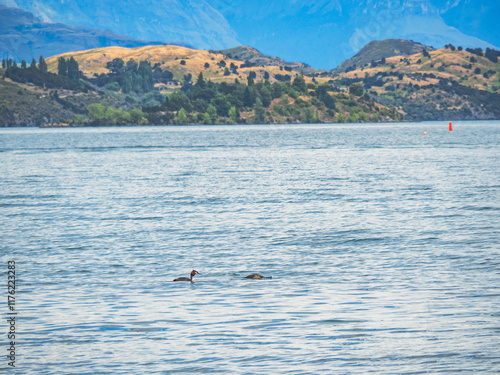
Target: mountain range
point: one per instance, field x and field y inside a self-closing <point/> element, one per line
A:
<point x="189" y="21"/>
<point x="24" y="36"/>
<point x="379" y="49"/>
<point x="322" y="33"/>
<point x="387" y="80"/>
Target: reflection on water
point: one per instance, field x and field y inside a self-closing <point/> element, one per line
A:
<point x="382" y="243"/>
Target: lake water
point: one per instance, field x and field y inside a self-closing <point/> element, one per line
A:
<point x="383" y="245"/>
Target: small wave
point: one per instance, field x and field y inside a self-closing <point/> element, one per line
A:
<point x="481" y="208"/>
<point x="338" y="321"/>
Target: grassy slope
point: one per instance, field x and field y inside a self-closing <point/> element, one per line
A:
<point x="442" y="63"/>
<point x="169" y="57"/>
<point x="244" y="53"/>
<point x="26" y="105"/>
<point x="454" y="66"/>
<point x="421" y="104"/>
<point x="377" y="49"/>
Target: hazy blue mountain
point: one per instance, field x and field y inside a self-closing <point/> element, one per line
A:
<point x="191" y="21"/>
<point x="323" y="33"/>
<point x="477" y="18"/>
<point x="24" y="36"/>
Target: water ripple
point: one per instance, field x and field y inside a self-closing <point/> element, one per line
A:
<point x="382" y="247"/>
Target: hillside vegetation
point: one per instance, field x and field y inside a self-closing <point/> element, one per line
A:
<point x="177" y="85"/>
<point x="447" y="83"/>
<point x="252" y="56"/>
<point x="217" y="66"/>
<point x="378" y="49"/>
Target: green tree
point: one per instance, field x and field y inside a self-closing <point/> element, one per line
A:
<point x="200" y="82"/>
<point x="62" y="67"/>
<point x="492" y="55"/>
<point x="137" y="117"/>
<point x="233" y="115"/>
<point x="137" y="84"/>
<point x="79" y="120"/>
<point x="260" y="112"/>
<point x="249" y="96"/>
<point x="220" y="102"/>
<point x="277" y="90"/>
<point x="299" y="84"/>
<point x="23" y="64"/>
<point x="178" y="100"/>
<point x="212" y="113"/>
<point x="329" y="101"/>
<point x="110" y="116"/>
<point x="3" y="64"/>
<point x="131" y="66"/>
<point x="97" y="112"/>
<point x="308" y="115"/>
<point x="353" y="117"/>
<point x="33" y="63"/>
<point x="250" y="78"/>
<point x="317" y="120"/>
<point x="207" y="120"/>
<point x="128" y="81"/>
<point x="187" y="80"/>
<point x="123" y="117"/>
<point x="200" y="105"/>
<point x="73" y="68"/>
<point x="356" y="89"/>
<point x="42" y="65"/>
<point x="182" y="117"/>
<point x="112" y="86"/>
<point x="146" y="73"/>
<point x="265" y="96"/>
<point x="116" y="66"/>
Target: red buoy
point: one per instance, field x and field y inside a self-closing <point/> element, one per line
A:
<point x="451" y="127"/>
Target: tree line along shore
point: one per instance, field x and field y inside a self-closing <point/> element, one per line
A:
<point x="128" y="91"/>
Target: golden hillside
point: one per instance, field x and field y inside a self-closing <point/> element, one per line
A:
<point x="445" y="83"/>
<point x="169" y="57"/>
<point x="442" y="63"/>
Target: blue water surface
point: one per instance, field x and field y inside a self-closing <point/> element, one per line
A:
<point x="383" y="246"/>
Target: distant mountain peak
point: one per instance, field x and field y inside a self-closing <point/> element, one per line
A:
<point x="378" y="49"/>
<point x="194" y="22"/>
<point x="321" y="33"/>
<point x="254" y="56"/>
<point x="24" y="36"/>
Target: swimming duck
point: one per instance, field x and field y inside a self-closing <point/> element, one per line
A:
<point x="257" y="276"/>
<point x="193" y="272"/>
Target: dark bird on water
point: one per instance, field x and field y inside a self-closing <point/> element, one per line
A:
<point x="193" y="272"/>
<point x="257" y="276"/>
